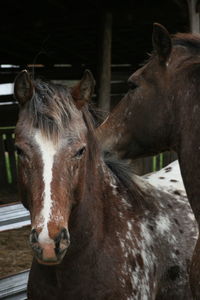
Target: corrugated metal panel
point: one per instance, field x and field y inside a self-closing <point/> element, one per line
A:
<point x="14" y="287"/>
<point x="13" y="217"/>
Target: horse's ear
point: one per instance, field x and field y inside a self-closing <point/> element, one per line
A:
<point x="83" y="91"/>
<point x="162" y="43"/>
<point x="23" y="87"/>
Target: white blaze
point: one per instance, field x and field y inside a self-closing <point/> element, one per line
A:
<point x="48" y="151"/>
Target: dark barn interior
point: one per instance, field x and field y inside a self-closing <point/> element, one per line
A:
<point x="57" y="40"/>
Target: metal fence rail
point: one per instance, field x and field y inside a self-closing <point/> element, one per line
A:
<point x="13" y="216"/>
<point x="14" y="287"/>
<point x="8" y="158"/>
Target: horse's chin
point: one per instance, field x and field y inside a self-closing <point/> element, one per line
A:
<point x="48" y="263"/>
<point x="51" y="261"/>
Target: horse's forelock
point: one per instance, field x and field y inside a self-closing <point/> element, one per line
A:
<point x="51" y="109"/>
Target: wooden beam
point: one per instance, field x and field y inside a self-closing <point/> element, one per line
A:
<point x="105" y="63"/>
<point x="193" y="6"/>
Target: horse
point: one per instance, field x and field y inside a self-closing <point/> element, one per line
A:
<point x="97" y="230"/>
<point x="161" y="111"/>
<point x="168" y="179"/>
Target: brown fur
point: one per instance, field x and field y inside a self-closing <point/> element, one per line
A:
<point x="163" y="113"/>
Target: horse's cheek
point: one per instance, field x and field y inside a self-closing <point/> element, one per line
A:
<point x="23" y="192"/>
<point x="24" y="181"/>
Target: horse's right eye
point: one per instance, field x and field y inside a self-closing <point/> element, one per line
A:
<point x="132" y="85"/>
<point x="80" y="152"/>
<point x="19" y="151"/>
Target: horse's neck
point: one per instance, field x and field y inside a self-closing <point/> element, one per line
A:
<point x="189" y="158"/>
<point x="88" y="217"/>
<point x="190" y="170"/>
<point x="113" y="132"/>
<point x="103" y="199"/>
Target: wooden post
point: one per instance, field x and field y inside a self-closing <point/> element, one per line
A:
<point x="193" y="6"/>
<point x="105" y="64"/>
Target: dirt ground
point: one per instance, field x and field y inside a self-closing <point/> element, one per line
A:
<point x="15" y="252"/>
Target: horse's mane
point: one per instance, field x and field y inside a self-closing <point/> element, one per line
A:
<point x="50" y="108"/>
<point x="188" y="40"/>
<point x="120" y="168"/>
<point x="124" y="173"/>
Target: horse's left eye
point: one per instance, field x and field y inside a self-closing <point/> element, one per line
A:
<point x="80" y="152"/>
<point x="132" y="85"/>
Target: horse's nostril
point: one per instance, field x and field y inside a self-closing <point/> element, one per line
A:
<point x="34" y="243"/>
<point x="37" y="249"/>
<point x="62" y="241"/>
<point x="65" y="234"/>
<point x="33" y="236"/>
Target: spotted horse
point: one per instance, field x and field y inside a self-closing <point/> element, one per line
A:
<point x="161" y="111"/>
<point x="97" y="231"/>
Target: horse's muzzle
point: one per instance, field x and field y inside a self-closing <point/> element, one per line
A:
<point x="53" y="252"/>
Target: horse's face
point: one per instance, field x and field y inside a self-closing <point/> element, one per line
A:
<point x="49" y="174"/>
<point x="149" y="99"/>
<point x="51" y="171"/>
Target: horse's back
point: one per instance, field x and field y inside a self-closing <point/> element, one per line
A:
<point x="174" y="233"/>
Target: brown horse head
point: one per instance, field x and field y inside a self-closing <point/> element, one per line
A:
<point x="51" y="140"/>
<point x="151" y="116"/>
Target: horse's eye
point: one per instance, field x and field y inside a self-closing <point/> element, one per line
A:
<point x="80" y="152"/>
<point x="19" y="151"/>
<point x="132" y="85"/>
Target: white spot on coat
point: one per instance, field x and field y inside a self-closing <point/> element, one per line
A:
<point x="167" y="183"/>
<point x="162" y="224"/>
